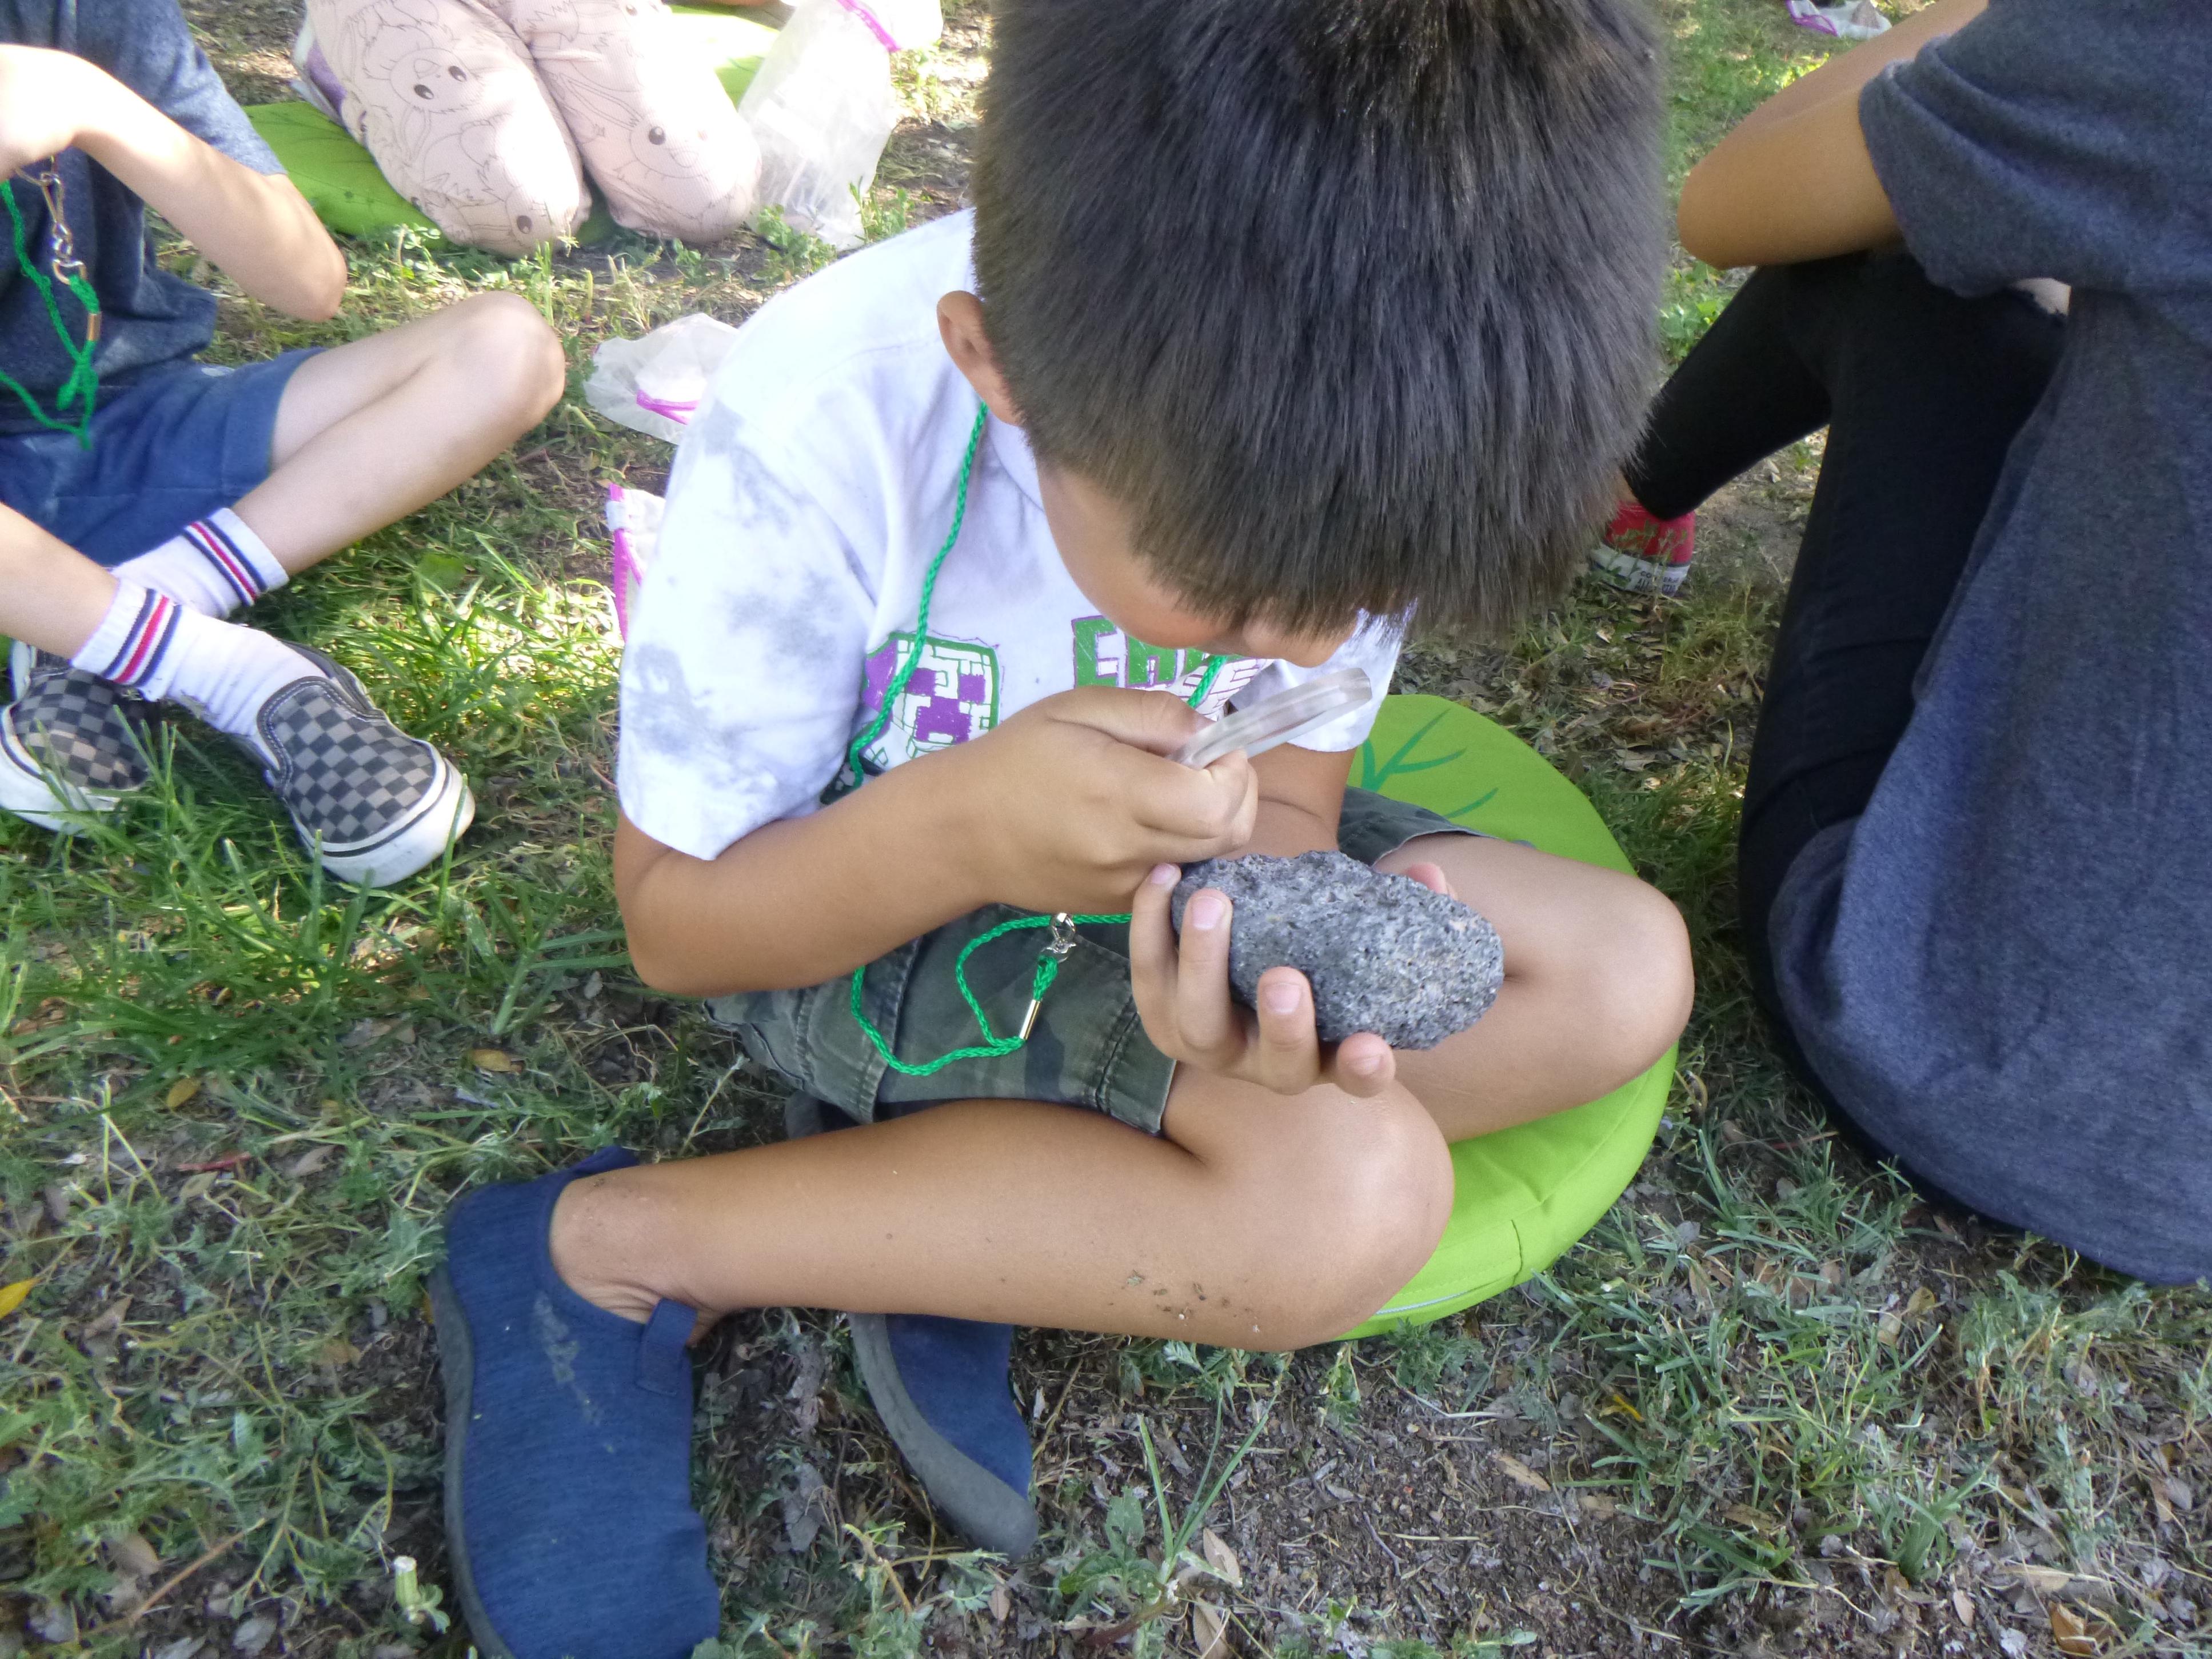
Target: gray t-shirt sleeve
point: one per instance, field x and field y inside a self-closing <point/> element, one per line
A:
<point x="2015" y="147"/>
<point x="147" y="45"/>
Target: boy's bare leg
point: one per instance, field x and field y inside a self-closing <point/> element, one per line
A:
<point x="1598" y="983"/>
<point x="371" y="430"/>
<point x="52" y="596"/>
<point x="1258" y="1220"/>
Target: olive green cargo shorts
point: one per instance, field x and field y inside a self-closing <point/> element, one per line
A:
<point x="1087" y="1048"/>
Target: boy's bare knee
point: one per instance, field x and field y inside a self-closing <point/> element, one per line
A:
<point x="1348" y="1229"/>
<point x="1644" y="981"/>
<point x="515" y="358"/>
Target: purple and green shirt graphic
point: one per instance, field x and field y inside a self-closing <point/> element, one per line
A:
<point x="954" y="693"/>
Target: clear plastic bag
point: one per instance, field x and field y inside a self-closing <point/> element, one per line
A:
<point x="655" y="385"/>
<point x="822" y="108"/>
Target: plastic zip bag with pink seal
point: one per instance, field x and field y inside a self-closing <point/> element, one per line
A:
<point x="654" y="385"/>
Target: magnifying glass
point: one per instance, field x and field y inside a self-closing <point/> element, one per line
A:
<point x="1286" y="717"/>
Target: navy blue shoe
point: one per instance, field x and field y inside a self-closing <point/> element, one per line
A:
<point x="568" y="1507"/>
<point x="942" y="1390"/>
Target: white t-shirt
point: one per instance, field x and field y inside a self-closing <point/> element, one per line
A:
<point x="814" y="486"/>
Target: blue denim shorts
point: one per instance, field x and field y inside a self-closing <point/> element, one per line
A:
<point x="171" y="447"/>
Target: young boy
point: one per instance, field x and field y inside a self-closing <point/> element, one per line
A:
<point x="1284" y="321"/>
<point x="138" y="510"/>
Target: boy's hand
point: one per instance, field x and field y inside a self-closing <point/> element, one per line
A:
<point x="1182" y="995"/>
<point x="1071" y="801"/>
<point x="45" y="99"/>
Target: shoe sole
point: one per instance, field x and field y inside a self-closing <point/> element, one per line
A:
<point x="456" y="1361"/>
<point x="1625" y="570"/>
<point x="981" y="1507"/>
<point x="29" y="791"/>
<point x="25" y="789"/>
<point x="442" y="819"/>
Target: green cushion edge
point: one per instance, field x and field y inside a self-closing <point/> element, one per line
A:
<point x="1514" y="792"/>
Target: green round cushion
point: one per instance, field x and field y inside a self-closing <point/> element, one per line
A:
<point x="1523" y="1194"/>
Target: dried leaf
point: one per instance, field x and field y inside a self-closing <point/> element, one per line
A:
<point x="1920" y="1301"/>
<point x="2047" y="1581"/>
<point x="132" y="1554"/>
<point x="1597" y="1504"/>
<point x="310" y="1161"/>
<point x="184" y="1089"/>
<point x="1744" y="1516"/>
<point x="1519" y="1473"/>
<point x="2073" y="1636"/>
<point x="1002" y="1604"/>
<point x="336" y="1352"/>
<point x="2163" y="1505"/>
<point x="1887" y="1329"/>
<point x="2178" y="1494"/>
<point x="11" y="1296"/>
<point x="1209" y="1629"/>
<point x="491" y="1060"/>
<point x="1963" y="1605"/>
<point x="1222" y="1559"/>
<point x="255" y="1634"/>
<point x="110" y="1321"/>
<point x="198" y="1187"/>
<point x="2013" y="1642"/>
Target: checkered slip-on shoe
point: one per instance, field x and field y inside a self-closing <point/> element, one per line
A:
<point x="68" y="747"/>
<point x="372" y="803"/>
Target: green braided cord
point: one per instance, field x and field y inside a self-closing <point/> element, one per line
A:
<point x="993" y="1047"/>
<point x="1048" y="967"/>
<point x="83" y="383"/>
<point x="897" y="687"/>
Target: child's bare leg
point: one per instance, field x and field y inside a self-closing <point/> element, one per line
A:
<point x="1598" y="985"/>
<point x="1257" y="1220"/>
<point x="370" y="431"/>
<point x="51" y="595"/>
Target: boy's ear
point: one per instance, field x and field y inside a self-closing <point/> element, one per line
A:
<point x="960" y="326"/>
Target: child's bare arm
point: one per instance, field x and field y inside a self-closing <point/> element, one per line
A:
<point x="1065" y="806"/>
<point x="1795" y="181"/>
<point x="256" y="227"/>
<point x="1301" y="796"/>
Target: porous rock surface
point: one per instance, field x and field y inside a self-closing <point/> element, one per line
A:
<point x="1383" y="953"/>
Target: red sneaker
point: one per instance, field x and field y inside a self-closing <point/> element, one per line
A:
<point x="1643" y="554"/>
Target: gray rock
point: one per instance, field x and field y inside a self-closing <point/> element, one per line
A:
<point x="1383" y="953"/>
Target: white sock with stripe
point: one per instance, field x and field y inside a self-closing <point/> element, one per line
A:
<point x="216" y="565"/>
<point x="155" y="645"/>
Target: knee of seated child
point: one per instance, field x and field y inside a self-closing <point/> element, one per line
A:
<point x="516" y="353"/>
<point x="1639" y="979"/>
<point x="1340" y="1228"/>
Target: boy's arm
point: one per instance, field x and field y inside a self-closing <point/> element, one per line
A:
<point x="1794" y="180"/>
<point x="1301" y="796"/>
<point x="256" y="227"/>
<point x="1066" y="805"/>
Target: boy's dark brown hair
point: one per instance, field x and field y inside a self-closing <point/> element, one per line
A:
<point x="1350" y="301"/>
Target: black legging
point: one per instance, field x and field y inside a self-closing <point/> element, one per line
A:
<point x="1922" y="393"/>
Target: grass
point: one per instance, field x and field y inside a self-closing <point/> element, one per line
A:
<point x="1772" y="1405"/>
